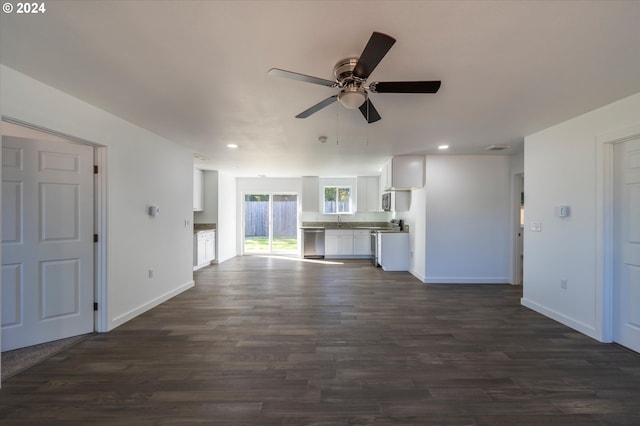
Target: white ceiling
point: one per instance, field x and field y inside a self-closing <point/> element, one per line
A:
<point x="195" y="72"/>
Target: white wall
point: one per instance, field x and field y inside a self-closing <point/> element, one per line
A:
<point x="209" y="214"/>
<point x="468" y="219"/>
<point x="143" y="169"/>
<point x="517" y="163"/>
<point x="227" y="218"/>
<point x="563" y="166"/>
<point x="415" y="218"/>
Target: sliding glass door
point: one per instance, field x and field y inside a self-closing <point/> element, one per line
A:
<point x="270" y="223"/>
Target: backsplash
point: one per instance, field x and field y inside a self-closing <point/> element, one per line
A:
<point x="356" y="217"/>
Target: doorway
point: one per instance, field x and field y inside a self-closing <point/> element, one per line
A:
<point x="626" y="245"/>
<point x="270" y="223"/>
<point x="47" y="237"/>
<point x="518" y="229"/>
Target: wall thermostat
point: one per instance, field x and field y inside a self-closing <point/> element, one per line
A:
<point x="563" y="211"/>
<point x="154" y="211"/>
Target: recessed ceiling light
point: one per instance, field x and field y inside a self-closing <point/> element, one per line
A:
<point x="232" y="145"/>
<point x="443" y="147"/>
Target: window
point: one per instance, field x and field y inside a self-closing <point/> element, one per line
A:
<point x="337" y="200"/>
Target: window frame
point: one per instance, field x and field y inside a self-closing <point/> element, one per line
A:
<point x="337" y="189"/>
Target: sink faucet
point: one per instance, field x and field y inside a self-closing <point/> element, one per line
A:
<point x="339" y="222"/>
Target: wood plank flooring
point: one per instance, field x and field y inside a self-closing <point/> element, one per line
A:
<point x="267" y="341"/>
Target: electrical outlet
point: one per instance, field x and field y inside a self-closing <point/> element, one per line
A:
<point x="150" y="273"/>
<point x="563" y="283"/>
<point x="536" y="226"/>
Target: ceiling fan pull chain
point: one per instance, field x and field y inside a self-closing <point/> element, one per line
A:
<point x="367" y="125"/>
<point x="337" y="124"/>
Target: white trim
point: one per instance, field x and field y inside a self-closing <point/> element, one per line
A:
<point x="121" y="319"/>
<point x="417" y="274"/>
<point x="101" y="320"/>
<point x="47" y="130"/>
<point x="561" y="318"/>
<point x="604" y="228"/>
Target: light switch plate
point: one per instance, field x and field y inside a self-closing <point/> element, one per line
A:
<point x="536" y="226"/>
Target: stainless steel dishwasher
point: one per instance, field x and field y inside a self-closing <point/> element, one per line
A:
<point x="313" y="243"/>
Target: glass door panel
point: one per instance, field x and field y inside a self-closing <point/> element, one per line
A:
<point x="270" y="223"/>
<point x="256" y="223"/>
<point x="285" y="223"/>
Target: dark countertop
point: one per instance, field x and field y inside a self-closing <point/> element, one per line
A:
<point x="198" y="227"/>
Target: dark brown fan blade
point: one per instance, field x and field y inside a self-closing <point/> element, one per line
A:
<point x="405" y="87"/>
<point x="369" y="112"/>
<point x="317" y="107"/>
<point x="378" y="46"/>
<point x="301" y="77"/>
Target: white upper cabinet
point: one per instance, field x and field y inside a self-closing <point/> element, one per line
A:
<point x="310" y="194"/>
<point x="198" y="190"/>
<point x="368" y="191"/>
<point x="403" y="172"/>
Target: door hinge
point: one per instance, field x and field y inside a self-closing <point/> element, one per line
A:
<point x="95" y="170"/>
<point x="95" y="306"/>
<point x="95" y="238"/>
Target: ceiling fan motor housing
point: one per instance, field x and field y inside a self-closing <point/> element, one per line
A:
<point x="343" y="70"/>
<point x="352" y="94"/>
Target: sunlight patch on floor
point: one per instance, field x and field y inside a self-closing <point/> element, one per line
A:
<point x="300" y="259"/>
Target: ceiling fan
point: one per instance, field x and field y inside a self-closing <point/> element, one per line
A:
<point x="351" y="75"/>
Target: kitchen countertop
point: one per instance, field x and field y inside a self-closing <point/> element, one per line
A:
<point x="199" y="227"/>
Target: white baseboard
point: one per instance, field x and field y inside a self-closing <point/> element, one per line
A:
<point x="121" y="319"/>
<point x="562" y="319"/>
<point x="417" y="274"/>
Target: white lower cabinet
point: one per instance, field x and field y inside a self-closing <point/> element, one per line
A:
<point x="330" y="243"/>
<point x="347" y="243"/>
<point x="204" y="248"/>
<point x="338" y="242"/>
<point x="361" y="242"/>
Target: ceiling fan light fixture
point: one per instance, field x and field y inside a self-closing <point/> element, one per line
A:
<point x="352" y="97"/>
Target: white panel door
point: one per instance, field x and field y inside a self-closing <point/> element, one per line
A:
<point x="627" y="244"/>
<point x="47" y="241"/>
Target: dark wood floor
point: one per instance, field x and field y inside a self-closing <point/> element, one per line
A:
<point x="263" y="341"/>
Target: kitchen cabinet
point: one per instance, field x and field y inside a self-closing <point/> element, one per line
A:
<point x="403" y="172"/>
<point x="347" y="243"/>
<point x="204" y="248"/>
<point x="393" y="251"/>
<point x="361" y="242"/>
<point x="368" y="194"/>
<point x="338" y="242"/>
<point x="310" y="194"/>
<point x="198" y="190"/>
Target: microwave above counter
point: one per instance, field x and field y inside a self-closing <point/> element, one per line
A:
<point x="396" y="201"/>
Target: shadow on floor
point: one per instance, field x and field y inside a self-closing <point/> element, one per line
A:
<point x="18" y="360"/>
